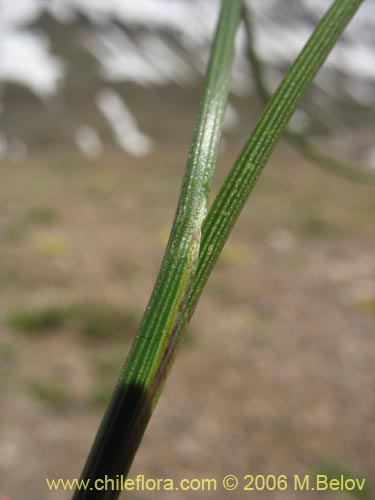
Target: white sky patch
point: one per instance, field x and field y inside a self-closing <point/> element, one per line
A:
<point x="18" y="12"/>
<point x="151" y="61"/>
<point x="284" y="45"/>
<point x="280" y="43"/>
<point x="88" y="141"/>
<point x="123" y="124"/>
<point x="354" y="59"/>
<point x="62" y="10"/>
<point x="167" y="61"/>
<point x="160" y="13"/>
<point x="25" y="59"/>
<point x="123" y="60"/>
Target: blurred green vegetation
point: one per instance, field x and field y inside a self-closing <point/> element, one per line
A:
<point x="35" y="321"/>
<point x="366" y="306"/>
<point x="94" y="321"/>
<point x="42" y="215"/>
<point x="52" y="393"/>
<point x="316" y="226"/>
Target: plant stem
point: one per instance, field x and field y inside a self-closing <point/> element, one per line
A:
<point x="141" y="380"/>
<point x="298" y="140"/>
<point x="196" y="240"/>
<point x="249" y="165"/>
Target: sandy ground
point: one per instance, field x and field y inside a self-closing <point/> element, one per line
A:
<point x="275" y="376"/>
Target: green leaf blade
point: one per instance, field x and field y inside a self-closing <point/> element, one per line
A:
<point x="144" y="373"/>
<point x="249" y="165"/>
<point x="196" y="240"/>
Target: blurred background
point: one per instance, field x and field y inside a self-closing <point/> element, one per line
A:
<point x="97" y="108"/>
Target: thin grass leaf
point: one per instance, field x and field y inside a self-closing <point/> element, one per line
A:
<point x="298" y="140"/>
<point x="249" y="165"/>
<point x="141" y="380"/>
<point x="196" y="241"/>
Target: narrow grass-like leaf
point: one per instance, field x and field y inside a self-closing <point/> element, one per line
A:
<point x="249" y="164"/>
<point x="141" y="380"/>
<point x="196" y="240"/>
<point x="300" y="141"/>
